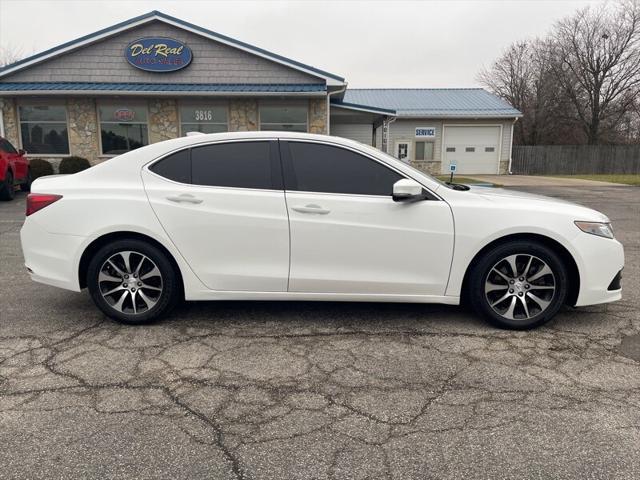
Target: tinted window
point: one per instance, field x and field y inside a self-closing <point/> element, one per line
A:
<point x="6" y="146"/>
<point x="239" y="164"/>
<point x="323" y="168"/>
<point x="176" y="167"/>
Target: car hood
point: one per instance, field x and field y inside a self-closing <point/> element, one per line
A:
<point x="540" y="202"/>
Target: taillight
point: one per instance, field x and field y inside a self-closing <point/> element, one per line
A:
<point x="37" y="201"/>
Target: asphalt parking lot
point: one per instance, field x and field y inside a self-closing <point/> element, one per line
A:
<point x="318" y="390"/>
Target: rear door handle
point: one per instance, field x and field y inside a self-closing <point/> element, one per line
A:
<point x="185" y="197"/>
<point x="311" y="208"/>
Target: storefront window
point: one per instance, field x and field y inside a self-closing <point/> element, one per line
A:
<point x="43" y="129"/>
<point x="424" y="150"/>
<point x="122" y="128"/>
<point x="292" y="118"/>
<point x="203" y="118"/>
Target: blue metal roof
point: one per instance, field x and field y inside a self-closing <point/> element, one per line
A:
<point x="163" y="87"/>
<point x="157" y="15"/>
<point x="432" y="102"/>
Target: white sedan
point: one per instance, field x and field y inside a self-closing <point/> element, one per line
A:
<point x="287" y="216"/>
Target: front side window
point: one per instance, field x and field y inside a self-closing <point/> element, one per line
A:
<point x="236" y="164"/>
<point x="122" y="128"/>
<point x="292" y="118"/>
<point x="315" y="167"/>
<point x="203" y="118"/>
<point x="43" y="129"/>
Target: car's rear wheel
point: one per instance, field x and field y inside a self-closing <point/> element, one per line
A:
<point x="133" y="281"/>
<point x="7" y="188"/>
<point x="518" y="285"/>
<point x="26" y="185"/>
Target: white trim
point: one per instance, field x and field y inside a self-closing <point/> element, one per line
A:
<point x="444" y="128"/>
<point x="363" y="109"/>
<point x="121" y="93"/>
<point x="329" y="80"/>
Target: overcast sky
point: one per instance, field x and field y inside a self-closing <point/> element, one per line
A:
<point x="371" y="43"/>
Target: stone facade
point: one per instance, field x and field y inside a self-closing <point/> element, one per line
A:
<point x="83" y="128"/>
<point x="318" y="115"/>
<point x="430" y="167"/>
<point x="243" y="115"/>
<point x="10" y="117"/>
<point x="163" y="120"/>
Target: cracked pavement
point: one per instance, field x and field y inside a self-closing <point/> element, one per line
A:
<point x="318" y="390"/>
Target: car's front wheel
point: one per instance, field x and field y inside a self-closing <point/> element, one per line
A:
<point x="132" y="281"/>
<point x="518" y="285"/>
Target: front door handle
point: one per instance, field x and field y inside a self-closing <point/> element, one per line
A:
<point x="185" y="197"/>
<point x="311" y="208"/>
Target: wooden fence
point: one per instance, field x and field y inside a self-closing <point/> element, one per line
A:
<point x="575" y="159"/>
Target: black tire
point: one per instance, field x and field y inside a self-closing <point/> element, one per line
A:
<point x="550" y="289"/>
<point x="26" y="185"/>
<point x="7" y="188"/>
<point x="169" y="282"/>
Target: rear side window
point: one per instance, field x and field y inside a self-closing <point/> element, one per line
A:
<point x="176" y="167"/>
<point x="237" y="164"/>
<point x="324" y="168"/>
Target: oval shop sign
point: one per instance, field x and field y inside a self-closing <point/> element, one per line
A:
<point x="158" y="54"/>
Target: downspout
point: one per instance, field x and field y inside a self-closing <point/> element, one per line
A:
<point x="2" y="118"/>
<point x="329" y="106"/>
<point x="509" y="172"/>
<point x="386" y="132"/>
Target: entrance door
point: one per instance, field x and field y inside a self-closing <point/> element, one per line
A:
<point x="403" y="150"/>
<point x="223" y="207"/>
<point x="349" y="236"/>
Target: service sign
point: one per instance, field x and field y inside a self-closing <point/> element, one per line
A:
<point x="158" y="54"/>
<point x="425" y="132"/>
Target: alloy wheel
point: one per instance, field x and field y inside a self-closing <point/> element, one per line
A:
<point x="520" y="287"/>
<point x="130" y="282"/>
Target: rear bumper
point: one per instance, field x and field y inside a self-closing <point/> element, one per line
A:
<point x="51" y="258"/>
<point x="601" y="260"/>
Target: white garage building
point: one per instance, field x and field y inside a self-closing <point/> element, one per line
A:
<point x="430" y="128"/>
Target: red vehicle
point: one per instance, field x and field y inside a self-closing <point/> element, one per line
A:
<point x="14" y="170"/>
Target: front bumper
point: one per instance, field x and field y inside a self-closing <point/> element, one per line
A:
<point x="599" y="261"/>
<point x="51" y="258"/>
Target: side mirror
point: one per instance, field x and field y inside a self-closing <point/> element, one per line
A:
<point x="22" y="152"/>
<point x="406" y="190"/>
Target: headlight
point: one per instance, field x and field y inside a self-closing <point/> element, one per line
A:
<point x="596" y="228"/>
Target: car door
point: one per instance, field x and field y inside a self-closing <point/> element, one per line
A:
<point x="223" y="207"/>
<point x="348" y="236"/>
<point x="15" y="161"/>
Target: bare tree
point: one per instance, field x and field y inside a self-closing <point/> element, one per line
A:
<point x="580" y="84"/>
<point x="595" y="55"/>
<point x="9" y="55"/>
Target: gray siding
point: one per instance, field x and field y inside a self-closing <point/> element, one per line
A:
<point x="359" y="132"/>
<point x="213" y="62"/>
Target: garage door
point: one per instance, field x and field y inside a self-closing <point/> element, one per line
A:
<point x="472" y="149"/>
<point x="360" y="132"/>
